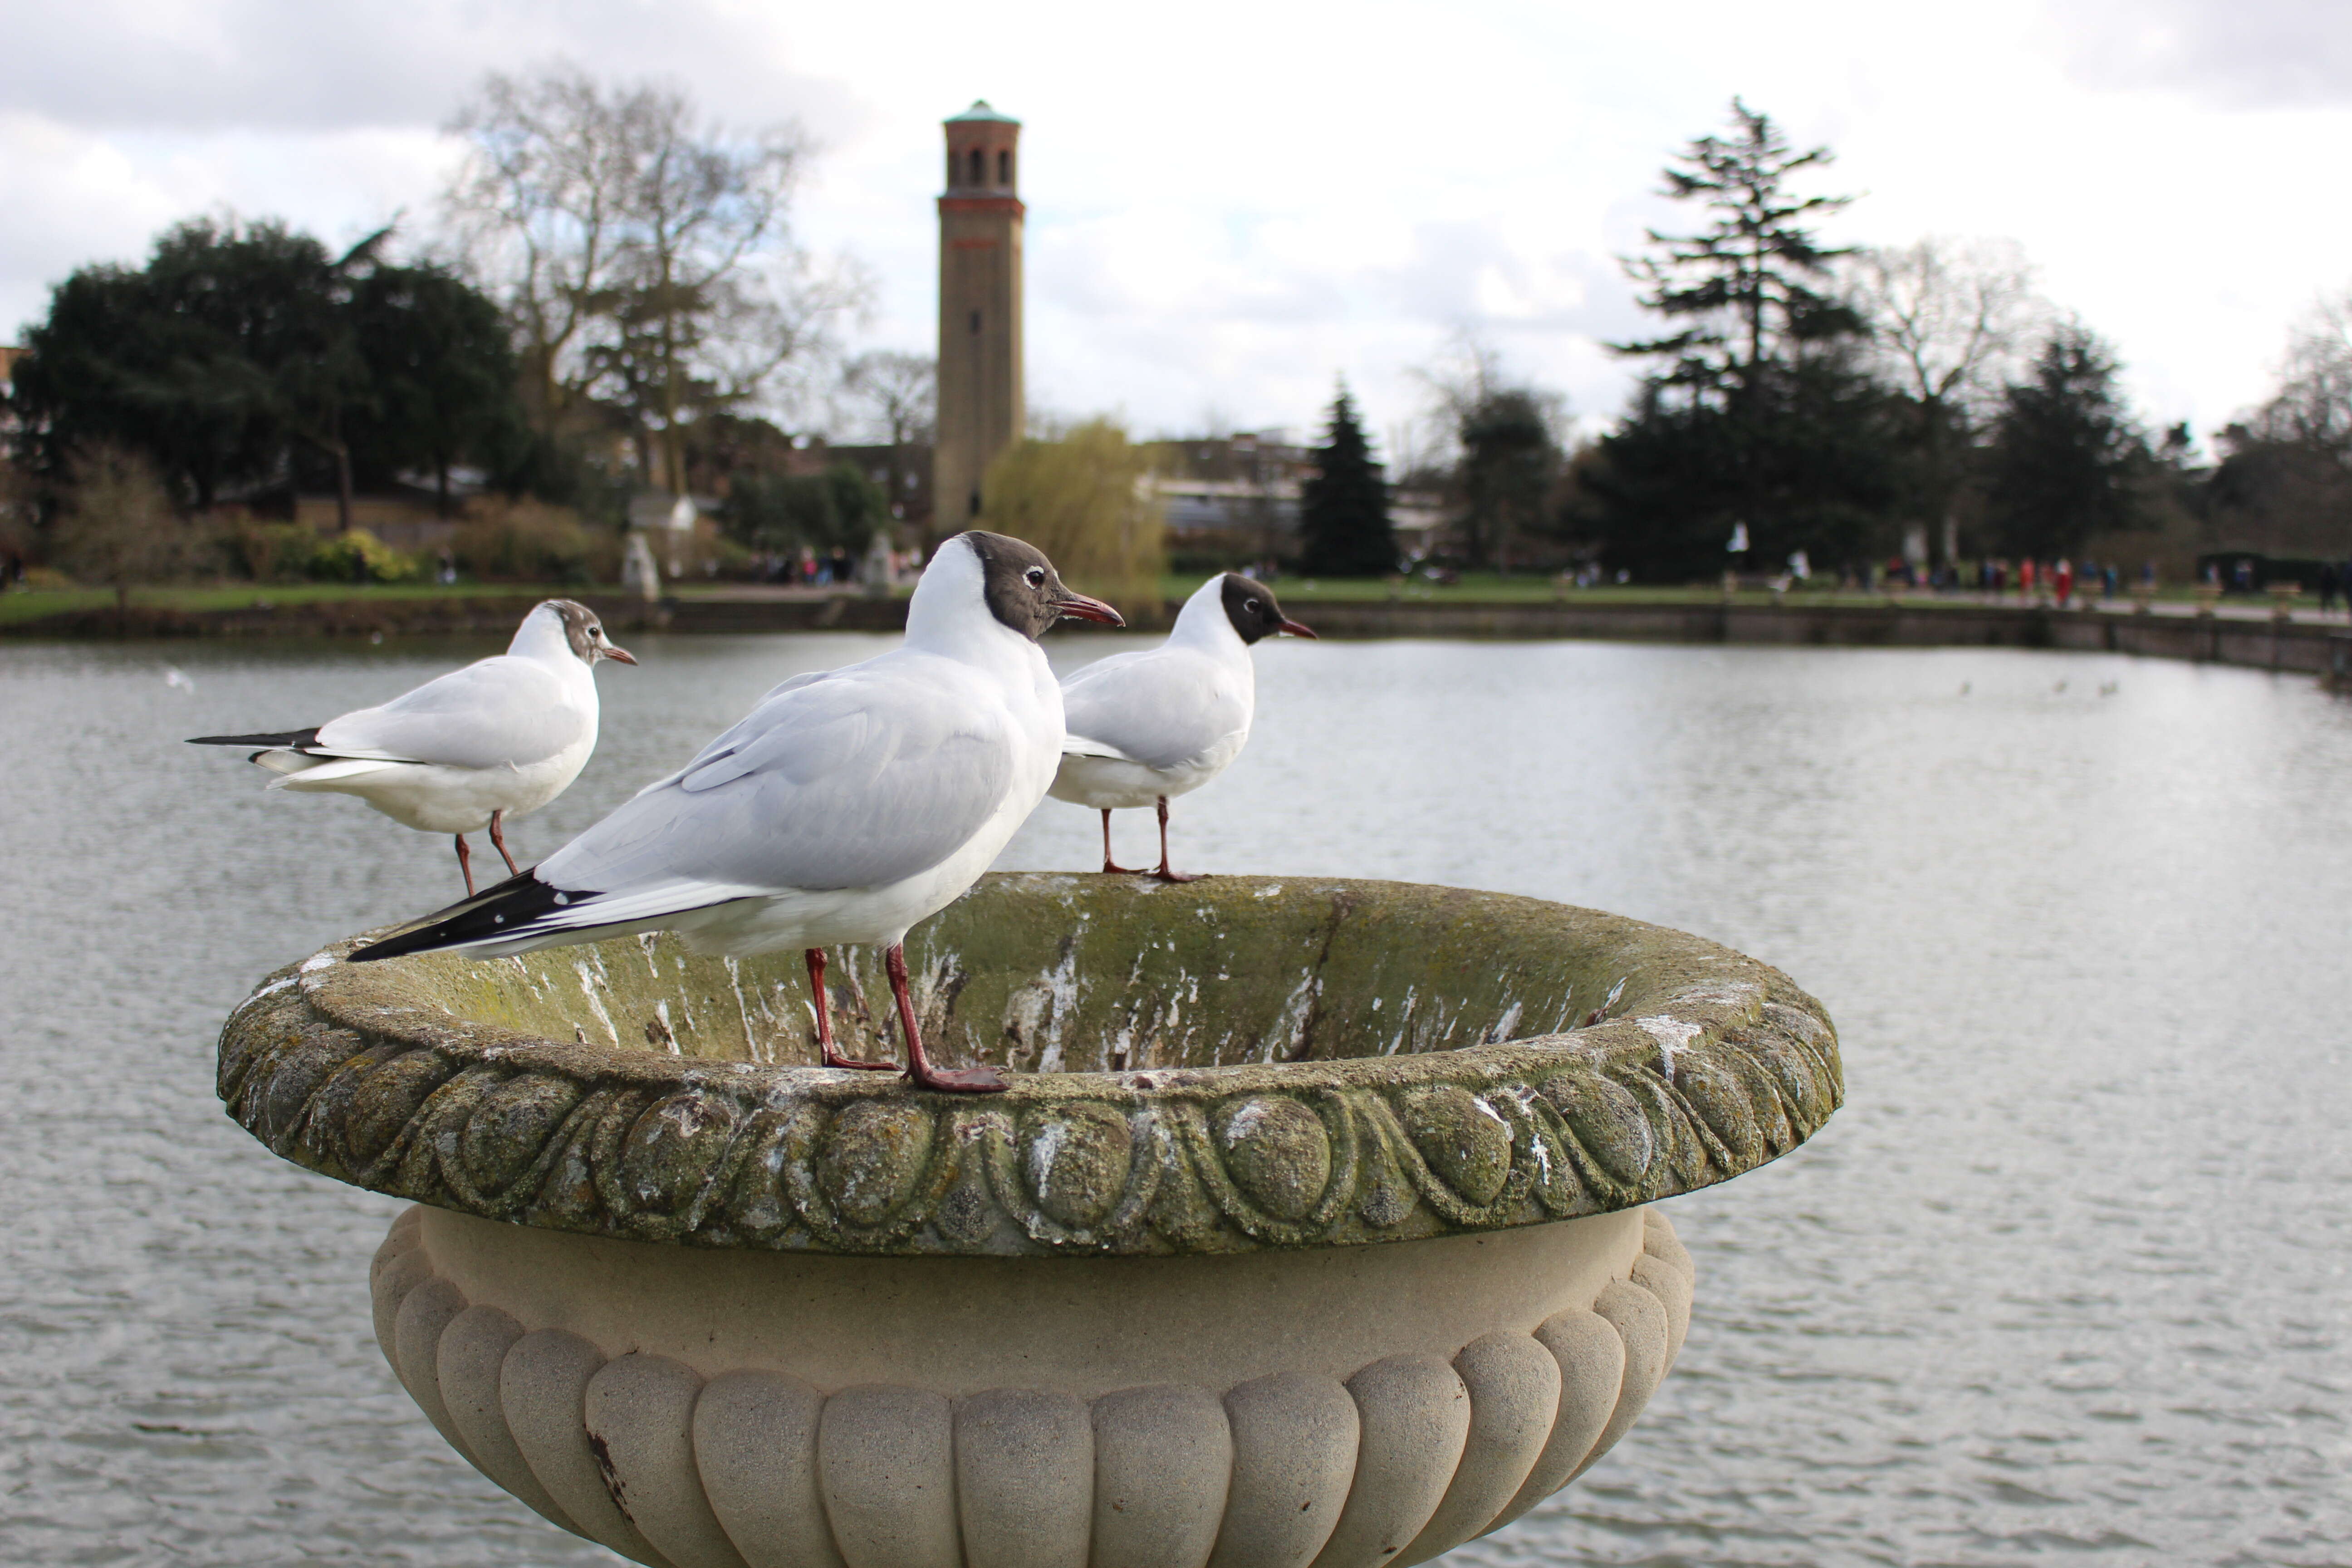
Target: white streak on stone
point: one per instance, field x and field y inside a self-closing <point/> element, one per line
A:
<point x="1672" y="1034"/>
<point x="588" y="989"/>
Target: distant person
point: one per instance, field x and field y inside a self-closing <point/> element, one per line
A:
<point x="2025" y="578"/>
<point x="2326" y="586"/>
<point x="838" y="568"/>
<point x="2062" y="581"/>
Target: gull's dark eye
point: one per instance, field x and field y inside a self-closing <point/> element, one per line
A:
<point x="1036" y="575"/>
<point x="1250" y="605"/>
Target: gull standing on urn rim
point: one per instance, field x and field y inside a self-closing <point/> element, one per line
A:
<point x="846" y="807"/>
<point x="468" y="750"/>
<point x="1144" y="727"/>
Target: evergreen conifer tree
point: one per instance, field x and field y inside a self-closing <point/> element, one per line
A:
<point x="1760" y="415"/>
<point x="2065" y="451"/>
<point x="1343" y="519"/>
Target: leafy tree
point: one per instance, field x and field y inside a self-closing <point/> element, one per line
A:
<point x="838" y="508"/>
<point x="1343" y="516"/>
<point x="1761" y="413"/>
<point x="440" y="376"/>
<point x="2065" y="452"/>
<point x="237" y="352"/>
<point x="1080" y="499"/>
<point x="1509" y="462"/>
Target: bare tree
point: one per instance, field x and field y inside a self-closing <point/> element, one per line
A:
<point x="894" y="395"/>
<point x="2314" y="404"/>
<point x="117" y="526"/>
<point x="1950" y="320"/>
<point x="541" y="207"/>
<point x="1949" y="317"/>
<point x="644" y="253"/>
<point x="891" y="394"/>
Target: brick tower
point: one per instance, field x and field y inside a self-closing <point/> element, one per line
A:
<point x="982" y="407"/>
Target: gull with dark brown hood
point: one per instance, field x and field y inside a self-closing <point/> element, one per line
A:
<point x="1148" y="726"/>
<point x="846" y="807"/>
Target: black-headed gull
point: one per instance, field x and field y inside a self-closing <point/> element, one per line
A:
<point x="466" y="750"/>
<point x="1146" y="726"/>
<point x="847" y="806"/>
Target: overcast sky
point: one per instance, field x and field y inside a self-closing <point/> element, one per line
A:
<point x="1231" y="204"/>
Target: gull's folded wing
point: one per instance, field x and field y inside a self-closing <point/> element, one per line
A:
<point x="506" y="709"/>
<point x="856" y="781"/>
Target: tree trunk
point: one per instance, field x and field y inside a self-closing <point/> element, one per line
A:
<point x="342" y="487"/>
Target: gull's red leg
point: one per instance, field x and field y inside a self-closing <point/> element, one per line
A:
<point x="465" y="864"/>
<point x="952" y="1080"/>
<point x="832" y="1059"/>
<point x="498" y="837"/>
<point x="1166" y="873"/>
<point x="1111" y="867"/>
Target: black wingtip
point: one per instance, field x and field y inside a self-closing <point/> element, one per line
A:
<point x="492" y="912"/>
<point x="291" y="738"/>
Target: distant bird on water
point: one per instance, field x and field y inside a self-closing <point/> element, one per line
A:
<point x="1147" y="726"/>
<point x="847" y="806"/>
<point x="466" y="750"/>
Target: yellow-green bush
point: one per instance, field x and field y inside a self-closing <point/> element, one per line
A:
<point x="358" y="556"/>
<point x="1082" y="501"/>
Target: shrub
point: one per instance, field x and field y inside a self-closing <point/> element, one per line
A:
<point x="530" y="541"/>
<point x="117" y="527"/>
<point x="358" y="556"/>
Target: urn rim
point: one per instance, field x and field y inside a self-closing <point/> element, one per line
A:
<point x="1699" y="1065"/>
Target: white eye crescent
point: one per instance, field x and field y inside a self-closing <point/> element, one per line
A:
<point x="1036" y="575"/>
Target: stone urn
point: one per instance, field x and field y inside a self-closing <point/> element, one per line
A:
<point x="1318" y="1227"/>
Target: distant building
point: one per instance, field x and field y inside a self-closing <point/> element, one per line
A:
<point x="1238" y="496"/>
<point x="1235" y="496"/>
<point x="982" y="403"/>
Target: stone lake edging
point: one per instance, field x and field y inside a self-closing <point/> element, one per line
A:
<point x="2297" y="646"/>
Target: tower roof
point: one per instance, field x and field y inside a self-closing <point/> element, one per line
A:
<point x="980" y="110"/>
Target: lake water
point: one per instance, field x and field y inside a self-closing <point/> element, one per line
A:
<point x="2066" y="1278"/>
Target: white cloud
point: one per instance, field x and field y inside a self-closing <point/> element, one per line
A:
<point x="1231" y="209"/>
<point x="2251" y="54"/>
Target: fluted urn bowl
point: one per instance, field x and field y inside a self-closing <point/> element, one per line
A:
<point x="1316" y="1228"/>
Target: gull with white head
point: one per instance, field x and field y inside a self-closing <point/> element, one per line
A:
<point x="846" y="807"/>
<point x="468" y="750"/>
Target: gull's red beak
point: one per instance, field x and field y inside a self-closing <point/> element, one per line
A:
<point x="1077" y="606"/>
<point x="625" y="657"/>
<point x="1293" y="628"/>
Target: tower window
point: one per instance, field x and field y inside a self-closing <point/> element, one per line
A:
<point x="975" y="323"/>
<point x="1004" y="168"/>
<point x="979" y="166"/>
<point x="951" y="167"/>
